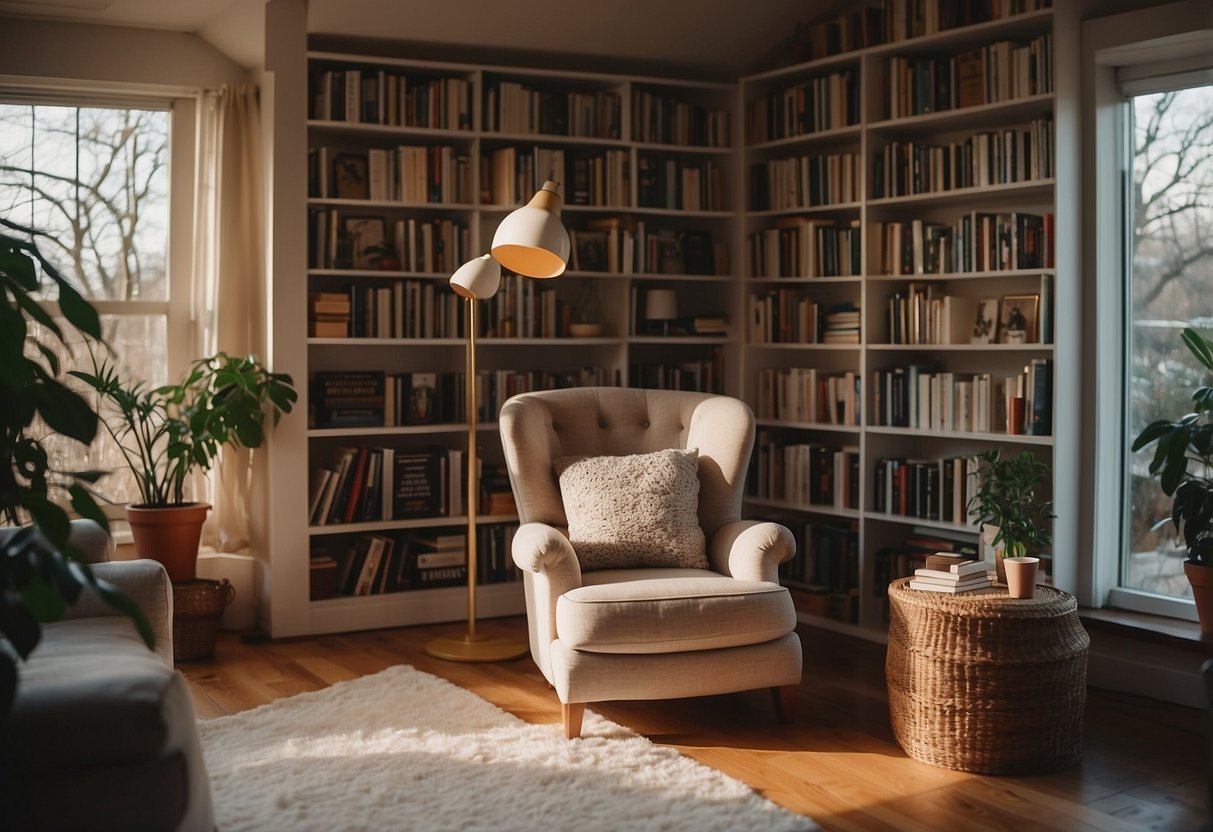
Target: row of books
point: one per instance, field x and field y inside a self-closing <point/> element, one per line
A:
<point x="937" y="489"/>
<point x="623" y="245"/>
<point x="511" y="107"/>
<point x="905" y="19"/>
<point x="375" y="564"/>
<point x="976" y="241"/>
<point x="341" y="240"/>
<point x="804" y="394"/>
<point x="367" y="484"/>
<point x="1021" y="154"/>
<point x="1002" y="71"/>
<point x="700" y="376"/>
<point x="789" y="316"/>
<point x="409" y="174"/>
<point x="804" y="182"/>
<point x="827" y="102"/>
<point x="824" y="575"/>
<point x="804" y="473"/>
<point x="524" y="308"/>
<point x="917" y="396"/>
<point x="375" y="398"/>
<point x="659" y="119"/>
<point x="920" y="315"/>
<point x="397" y="309"/>
<point x="380" y="96"/>
<point x="679" y="184"/>
<point x="600" y="178"/>
<point x="803" y="247"/>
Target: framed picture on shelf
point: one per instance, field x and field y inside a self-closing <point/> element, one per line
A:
<point x="985" y="322"/>
<point x="367" y="236"/>
<point x="350" y="177"/>
<point x="1017" y="319"/>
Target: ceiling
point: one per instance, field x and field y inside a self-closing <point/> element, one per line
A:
<point x="721" y="38"/>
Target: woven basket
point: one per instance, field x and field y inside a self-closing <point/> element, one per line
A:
<point x="197" y="607"/>
<point x="984" y="683"/>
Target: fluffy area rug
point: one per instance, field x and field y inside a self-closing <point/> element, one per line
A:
<point x="406" y="750"/>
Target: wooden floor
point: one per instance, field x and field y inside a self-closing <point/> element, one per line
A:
<point x="1144" y="764"/>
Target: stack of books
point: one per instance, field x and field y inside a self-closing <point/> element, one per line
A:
<point x="949" y="573"/>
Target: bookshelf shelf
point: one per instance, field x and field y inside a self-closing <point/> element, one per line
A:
<point x="1005" y="274"/>
<point x="808" y="508"/>
<point x="956" y="435"/>
<point x="809" y="281"/>
<point x="832" y="136"/>
<point x="553" y="138"/>
<point x="973" y="34"/>
<point x="905" y="520"/>
<point x="385" y="342"/>
<point x="676" y="339"/>
<point x="386" y="131"/>
<point x="812" y="209"/>
<point x="1036" y="188"/>
<point x="398" y="430"/>
<point x="356" y="274"/>
<point x="386" y="525"/>
<point x="999" y="112"/>
<point x="390" y="205"/>
<point x="813" y="347"/>
<point x="962" y="348"/>
<point x="658" y="147"/>
<point x="811" y="426"/>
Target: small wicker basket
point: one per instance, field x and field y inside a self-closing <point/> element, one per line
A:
<point x="197" y="607"/>
<point x="984" y="683"/>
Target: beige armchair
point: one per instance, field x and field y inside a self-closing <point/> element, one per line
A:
<point x="649" y="633"/>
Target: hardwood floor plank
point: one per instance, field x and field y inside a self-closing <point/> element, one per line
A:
<point x="1143" y="768"/>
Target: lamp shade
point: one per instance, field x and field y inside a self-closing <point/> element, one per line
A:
<point x="477" y="279"/>
<point x="661" y="305"/>
<point x="531" y="241"/>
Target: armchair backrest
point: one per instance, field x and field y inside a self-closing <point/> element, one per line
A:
<point x="539" y="428"/>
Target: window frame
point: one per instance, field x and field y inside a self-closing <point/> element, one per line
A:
<point x="1123" y="58"/>
<point x="183" y="105"/>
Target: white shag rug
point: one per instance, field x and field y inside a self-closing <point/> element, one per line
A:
<point x="406" y="750"/>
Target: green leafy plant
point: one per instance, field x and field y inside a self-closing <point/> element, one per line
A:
<point x="1006" y="498"/>
<point x="167" y="432"/>
<point x="41" y="573"/>
<point x="1183" y="454"/>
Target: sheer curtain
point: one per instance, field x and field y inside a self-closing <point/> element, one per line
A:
<point x="229" y="269"/>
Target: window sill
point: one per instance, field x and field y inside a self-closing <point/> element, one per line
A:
<point x="1157" y="629"/>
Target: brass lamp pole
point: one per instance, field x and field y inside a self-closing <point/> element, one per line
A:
<point x="530" y="241"/>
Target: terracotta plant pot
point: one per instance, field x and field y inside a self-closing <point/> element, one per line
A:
<point x="1021" y="576"/>
<point x="1201" y="578"/>
<point x="170" y="535"/>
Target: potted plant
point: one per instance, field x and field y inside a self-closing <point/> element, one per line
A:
<point x="1006" y="506"/>
<point x="1182" y="457"/>
<point x="40" y="572"/>
<point x="167" y="433"/>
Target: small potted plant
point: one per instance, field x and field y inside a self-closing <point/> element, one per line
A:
<point x="167" y="433"/>
<point x="1183" y="455"/>
<point x="1014" y="519"/>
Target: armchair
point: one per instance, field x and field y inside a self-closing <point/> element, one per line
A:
<point x="657" y="632"/>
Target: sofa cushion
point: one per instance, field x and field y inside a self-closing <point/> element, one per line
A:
<point x="671" y="611"/>
<point x="635" y="510"/>
<point x="91" y="693"/>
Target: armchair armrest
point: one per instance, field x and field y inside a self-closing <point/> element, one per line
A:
<point x="550" y="569"/>
<point x="143" y="581"/>
<point x="751" y="550"/>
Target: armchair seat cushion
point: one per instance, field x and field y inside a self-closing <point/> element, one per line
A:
<point x="671" y="611"/>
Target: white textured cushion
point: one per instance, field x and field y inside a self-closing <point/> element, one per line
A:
<point x="672" y="612"/>
<point x="637" y="510"/>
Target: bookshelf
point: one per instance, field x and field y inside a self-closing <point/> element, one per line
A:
<point x="958" y="199"/>
<point x="410" y="165"/>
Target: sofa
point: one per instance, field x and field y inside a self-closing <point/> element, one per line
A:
<point x="102" y="734"/>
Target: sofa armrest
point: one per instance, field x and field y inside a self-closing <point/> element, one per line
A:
<point x="143" y="581"/>
<point x="751" y="550"/>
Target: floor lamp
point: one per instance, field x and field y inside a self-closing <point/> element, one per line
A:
<point x="532" y="242"/>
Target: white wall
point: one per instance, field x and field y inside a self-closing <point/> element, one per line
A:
<point x="101" y="55"/>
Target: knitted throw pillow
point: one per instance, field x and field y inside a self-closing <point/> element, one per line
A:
<point x="638" y="510"/>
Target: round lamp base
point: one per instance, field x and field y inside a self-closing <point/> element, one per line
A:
<point x="477" y="648"/>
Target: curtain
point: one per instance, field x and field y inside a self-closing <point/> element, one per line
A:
<point x="229" y="269"/>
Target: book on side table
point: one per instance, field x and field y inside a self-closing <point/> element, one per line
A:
<point x="949" y="573"/>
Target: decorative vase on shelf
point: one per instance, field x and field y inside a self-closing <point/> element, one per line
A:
<point x="587" y="321"/>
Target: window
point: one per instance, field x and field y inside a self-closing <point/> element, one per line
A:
<point x="96" y="176"/>
<point x="1168" y="229"/>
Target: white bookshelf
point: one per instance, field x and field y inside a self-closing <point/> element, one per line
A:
<point x="1053" y="194"/>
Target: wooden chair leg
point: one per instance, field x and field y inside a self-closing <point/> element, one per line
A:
<point x="784" y="698"/>
<point x="571" y="713"/>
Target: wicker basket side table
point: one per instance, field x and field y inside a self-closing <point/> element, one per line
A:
<point x="985" y="683"/>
